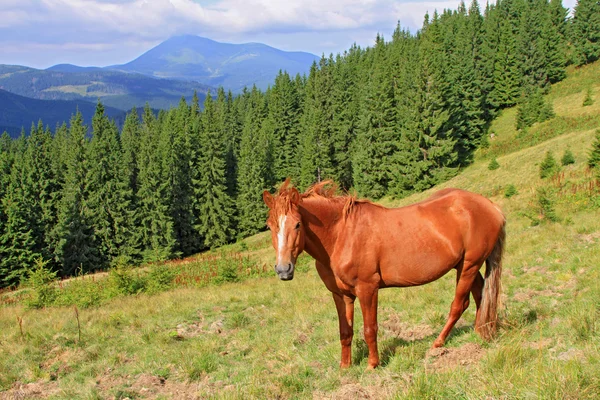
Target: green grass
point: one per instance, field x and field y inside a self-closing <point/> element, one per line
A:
<point x="262" y="338"/>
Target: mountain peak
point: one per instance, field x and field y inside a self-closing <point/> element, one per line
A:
<point x="233" y="66"/>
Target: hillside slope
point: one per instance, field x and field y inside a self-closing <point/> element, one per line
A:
<point x="264" y="338"/>
<point x="233" y="66"/>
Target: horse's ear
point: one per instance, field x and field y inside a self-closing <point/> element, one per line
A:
<point x="295" y="196"/>
<point x="268" y="199"/>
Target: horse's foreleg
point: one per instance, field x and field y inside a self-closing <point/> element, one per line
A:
<point x="368" y="304"/>
<point x="465" y="280"/>
<point x="345" y="309"/>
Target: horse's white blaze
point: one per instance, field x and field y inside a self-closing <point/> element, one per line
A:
<point x="281" y="237"/>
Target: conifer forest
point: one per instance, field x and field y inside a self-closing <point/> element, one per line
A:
<point x="387" y="120"/>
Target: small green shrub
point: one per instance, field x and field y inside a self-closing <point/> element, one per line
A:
<point x="510" y="191"/>
<point x="588" y="100"/>
<point x="493" y="165"/>
<point x="42" y="282"/>
<point x="548" y="167"/>
<point x="227" y="272"/>
<point x="127" y="281"/>
<point x="160" y="278"/>
<point x="567" y="158"/>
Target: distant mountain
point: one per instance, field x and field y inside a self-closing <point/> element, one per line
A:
<point x="116" y="89"/>
<point x="233" y="66"/>
<point x="18" y="112"/>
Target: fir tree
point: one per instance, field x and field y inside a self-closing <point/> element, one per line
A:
<point x="156" y="224"/>
<point x="215" y="207"/>
<point x="316" y="147"/>
<point x="594" y="157"/>
<point x="254" y="173"/>
<point x="586" y="31"/>
<point x="567" y="158"/>
<point x="76" y="245"/>
<point x="109" y="193"/>
<point x="375" y="142"/>
<point x="548" y="167"/>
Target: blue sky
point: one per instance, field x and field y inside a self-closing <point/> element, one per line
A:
<point x="42" y="33"/>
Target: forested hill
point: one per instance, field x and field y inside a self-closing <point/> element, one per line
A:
<point x="392" y="119"/>
<point x="20" y="112"/>
<point x="116" y="89"/>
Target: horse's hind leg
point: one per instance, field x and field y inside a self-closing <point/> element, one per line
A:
<point x="477" y="292"/>
<point x="466" y="276"/>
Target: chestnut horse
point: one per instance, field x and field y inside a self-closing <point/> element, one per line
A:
<point x="361" y="247"/>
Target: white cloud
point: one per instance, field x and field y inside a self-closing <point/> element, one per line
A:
<point x="310" y="25"/>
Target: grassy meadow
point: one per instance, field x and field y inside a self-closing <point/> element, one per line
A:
<point x="221" y="325"/>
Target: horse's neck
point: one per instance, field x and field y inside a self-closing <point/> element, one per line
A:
<point x="320" y="218"/>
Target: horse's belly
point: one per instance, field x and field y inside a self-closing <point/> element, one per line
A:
<point x="414" y="274"/>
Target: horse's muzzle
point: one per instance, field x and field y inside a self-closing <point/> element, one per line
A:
<point x="285" y="272"/>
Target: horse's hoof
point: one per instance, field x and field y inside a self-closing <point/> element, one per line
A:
<point x="437" y="343"/>
<point x="371" y="367"/>
<point x="344" y="365"/>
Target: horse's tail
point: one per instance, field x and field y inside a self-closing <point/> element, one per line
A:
<point x="488" y="313"/>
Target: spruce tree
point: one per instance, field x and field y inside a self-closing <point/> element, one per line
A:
<point x="376" y="137"/>
<point x="178" y="139"/>
<point x="548" y="167"/>
<point x="156" y="223"/>
<point x="215" y="207"/>
<point x="109" y="193"/>
<point x="76" y="246"/>
<point x="585" y="29"/>
<point x="594" y="157"/>
<point x="254" y="174"/>
<point x="284" y="115"/>
<point x="507" y="74"/>
<point x="315" y="143"/>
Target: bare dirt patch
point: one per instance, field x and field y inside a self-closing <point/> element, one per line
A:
<point x="147" y="386"/>
<point x="395" y="328"/>
<point x="35" y="390"/>
<point x="381" y="388"/>
<point x="444" y="358"/>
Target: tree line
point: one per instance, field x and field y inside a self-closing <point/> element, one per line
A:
<point x="390" y="119"/>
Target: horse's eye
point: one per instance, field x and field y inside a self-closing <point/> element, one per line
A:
<point x="298" y="225"/>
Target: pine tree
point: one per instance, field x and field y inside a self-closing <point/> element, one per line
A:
<point x="594" y="157"/>
<point x="156" y="223"/>
<point x="346" y="106"/>
<point x="178" y="138"/>
<point x="548" y="167"/>
<point x="568" y="158"/>
<point x="76" y="246"/>
<point x="315" y="143"/>
<point x="376" y="137"/>
<point x="532" y="109"/>
<point x="109" y="193"/>
<point x="554" y="33"/>
<point x="507" y="74"/>
<point x="254" y="175"/>
<point x="585" y="29"/>
<point x="39" y="187"/>
<point x="215" y="207"/>
<point x="284" y="115"/>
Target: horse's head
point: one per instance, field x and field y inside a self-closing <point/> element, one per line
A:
<point x="287" y="230"/>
